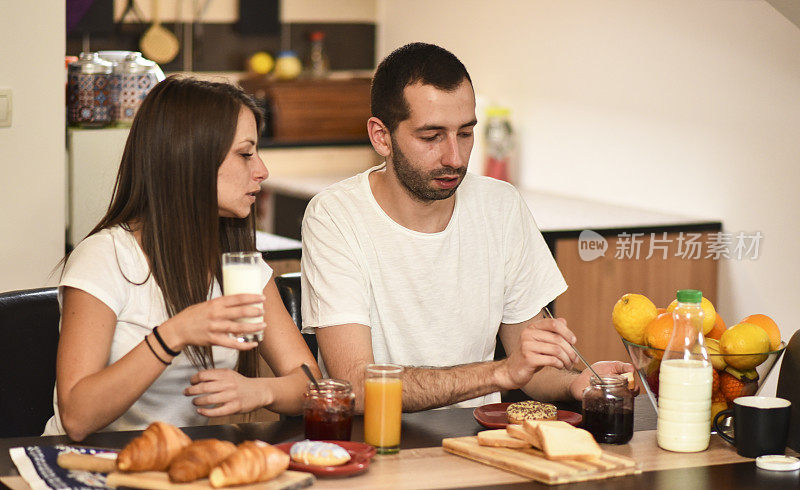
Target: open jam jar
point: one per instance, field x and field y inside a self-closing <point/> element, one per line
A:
<point x="608" y="409"/>
<point x="328" y="412"/>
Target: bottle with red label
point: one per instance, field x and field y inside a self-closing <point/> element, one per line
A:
<point x="499" y="141"/>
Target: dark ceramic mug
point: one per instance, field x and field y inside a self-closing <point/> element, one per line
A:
<point x="760" y="425"/>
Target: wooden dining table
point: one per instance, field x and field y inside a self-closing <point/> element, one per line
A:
<point x="422" y="463"/>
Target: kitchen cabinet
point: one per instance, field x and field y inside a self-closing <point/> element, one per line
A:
<point x="318" y="110"/>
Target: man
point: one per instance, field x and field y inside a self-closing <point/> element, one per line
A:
<point x="415" y="262"/>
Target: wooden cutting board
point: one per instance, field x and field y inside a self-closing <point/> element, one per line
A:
<point x="531" y="463"/>
<point x="159" y="480"/>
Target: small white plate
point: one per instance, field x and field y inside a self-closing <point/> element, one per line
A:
<point x="778" y="463"/>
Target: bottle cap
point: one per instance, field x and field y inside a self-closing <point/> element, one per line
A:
<point x="497" y="111"/>
<point x="317" y="36"/>
<point x="689" y="296"/>
<point x="778" y="462"/>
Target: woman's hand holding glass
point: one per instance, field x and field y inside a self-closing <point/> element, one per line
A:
<point x="212" y="322"/>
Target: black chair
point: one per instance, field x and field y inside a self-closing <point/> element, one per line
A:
<point x="789" y="388"/>
<point x="289" y="289"/>
<point x="28" y="344"/>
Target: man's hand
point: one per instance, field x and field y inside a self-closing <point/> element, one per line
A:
<point x="603" y="367"/>
<point x="544" y="342"/>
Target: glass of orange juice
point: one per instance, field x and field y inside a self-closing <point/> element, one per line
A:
<point x="383" y="406"/>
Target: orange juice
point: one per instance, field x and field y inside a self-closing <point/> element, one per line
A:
<point x="383" y="405"/>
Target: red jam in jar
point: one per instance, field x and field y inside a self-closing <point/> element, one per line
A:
<point x="328" y="412"/>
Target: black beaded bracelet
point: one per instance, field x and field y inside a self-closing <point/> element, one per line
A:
<point x="164" y="344"/>
<point x="154" y="352"/>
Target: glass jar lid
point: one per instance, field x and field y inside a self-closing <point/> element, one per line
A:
<point x="330" y="387"/>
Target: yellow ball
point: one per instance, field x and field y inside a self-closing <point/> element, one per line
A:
<point x="288" y="67"/>
<point x="261" y="63"/>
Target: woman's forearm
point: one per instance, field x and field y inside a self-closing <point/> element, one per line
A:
<point x="102" y="397"/>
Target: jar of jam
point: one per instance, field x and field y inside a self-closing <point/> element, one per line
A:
<point x="608" y="409"/>
<point x="328" y="412"/>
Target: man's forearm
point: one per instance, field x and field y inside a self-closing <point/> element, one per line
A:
<point x="431" y="387"/>
<point x="551" y="384"/>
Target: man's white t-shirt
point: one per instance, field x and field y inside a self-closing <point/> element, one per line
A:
<point x="430" y="299"/>
<point x="111" y="266"/>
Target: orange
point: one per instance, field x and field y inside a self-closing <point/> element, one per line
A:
<point x="661" y="310"/>
<point x="719" y="328"/>
<point x="749" y="341"/>
<point x="769" y="326"/>
<point x="657" y="334"/>
<point x="730" y="387"/>
<point x="631" y="315"/>
<point x="715" y="382"/>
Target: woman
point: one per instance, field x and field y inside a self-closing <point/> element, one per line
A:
<point x="144" y="328"/>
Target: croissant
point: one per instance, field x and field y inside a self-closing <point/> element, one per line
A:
<point x="253" y="461"/>
<point x="154" y="449"/>
<point x="196" y="460"/>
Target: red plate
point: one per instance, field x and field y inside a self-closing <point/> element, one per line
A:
<point x="493" y="416"/>
<point x="360" y="456"/>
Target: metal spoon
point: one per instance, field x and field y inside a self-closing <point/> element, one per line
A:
<point x="575" y="349"/>
<point x="306" y="370"/>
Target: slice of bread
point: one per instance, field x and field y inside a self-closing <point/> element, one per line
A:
<point x="519" y="412"/>
<point x="530" y="427"/>
<point x="519" y="432"/>
<point x="567" y="443"/>
<point x="500" y="438"/>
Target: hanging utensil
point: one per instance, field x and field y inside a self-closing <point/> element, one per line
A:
<point x="158" y="43"/>
<point x="131" y="7"/>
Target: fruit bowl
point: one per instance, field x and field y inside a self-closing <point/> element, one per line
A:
<point x="731" y="382"/>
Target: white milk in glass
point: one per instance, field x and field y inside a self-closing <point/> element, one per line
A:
<point x="243" y="278"/>
<point x="684" y="405"/>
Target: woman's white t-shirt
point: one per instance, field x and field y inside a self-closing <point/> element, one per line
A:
<point x="111" y="266"/>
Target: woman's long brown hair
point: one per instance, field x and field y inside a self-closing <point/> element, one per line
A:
<point x="166" y="188"/>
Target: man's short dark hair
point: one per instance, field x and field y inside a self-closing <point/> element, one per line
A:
<point x="416" y="62"/>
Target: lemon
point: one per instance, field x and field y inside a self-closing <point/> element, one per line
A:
<point x="631" y="315"/>
<point x="261" y="63"/>
<point x="744" y="338"/>
<point x="709" y="313"/>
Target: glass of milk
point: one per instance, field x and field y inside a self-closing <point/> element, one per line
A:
<point x="241" y="274"/>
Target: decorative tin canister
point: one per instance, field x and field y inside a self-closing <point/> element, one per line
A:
<point x="89" y="91"/>
<point x="133" y="79"/>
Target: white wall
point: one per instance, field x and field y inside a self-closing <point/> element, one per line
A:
<point x="32" y="44"/>
<point x="685" y="106"/>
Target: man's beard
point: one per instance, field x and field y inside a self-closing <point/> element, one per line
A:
<point x="417" y="183"/>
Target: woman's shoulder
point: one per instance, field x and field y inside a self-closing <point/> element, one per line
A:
<point x="105" y="240"/>
<point x="110" y="246"/>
